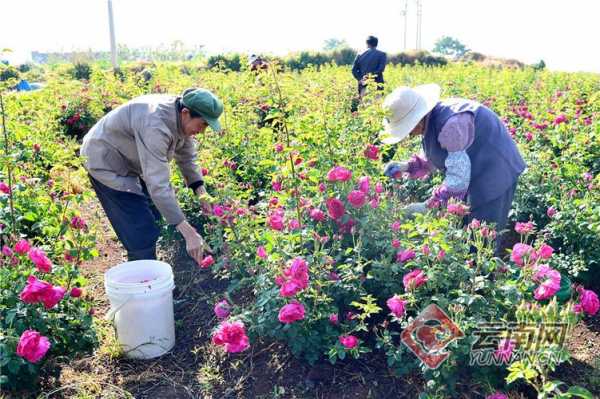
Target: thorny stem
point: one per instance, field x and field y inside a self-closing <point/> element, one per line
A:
<point x="9" y="167"/>
<point x="295" y="192"/>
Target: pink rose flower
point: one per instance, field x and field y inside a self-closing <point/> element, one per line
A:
<point x="261" y="252"/>
<point x="396" y="226"/>
<point x="497" y="395"/>
<point x="78" y="223"/>
<point x="275" y="220"/>
<point x="295" y="278"/>
<point x="207" y="262"/>
<point x="524" y="228"/>
<point x="426" y="250"/>
<point x="333" y="319"/>
<point x="475" y="224"/>
<point x="378" y="187"/>
<point x="550" y="282"/>
<point x="505" y="350"/>
<point x="339" y="173"/>
<point x="232" y="336"/>
<point x="405" y="256"/>
<point x="32" y="346"/>
<point x="335" y="208"/>
<point x="457" y="209"/>
<point x="22" y="247"/>
<point x="4" y="188"/>
<point x="6" y="251"/>
<point x="294" y="224"/>
<point x="414" y="279"/>
<point x="522" y="254"/>
<point x="76" y="292"/>
<point x="218" y="211"/>
<point x="298" y="268"/>
<point x="34" y="290"/>
<point x="562" y="118"/>
<point x="317" y="215"/>
<point x="278" y="147"/>
<point x="277" y="186"/>
<point x="222" y="309"/>
<point x="39" y="258"/>
<point x="291" y="312"/>
<point x="546" y="251"/>
<point x="322" y="187"/>
<point x="364" y="184"/>
<point x="374" y="203"/>
<point x="397" y="306"/>
<point x="290" y="288"/>
<point x="348" y="341"/>
<point x="52" y="296"/>
<point x="588" y="302"/>
<point x="372" y="152"/>
<point x="357" y="198"/>
<point x="551" y="212"/>
<point x="441" y="255"/>
<point x="396" y="243"/>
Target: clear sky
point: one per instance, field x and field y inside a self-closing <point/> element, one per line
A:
<point x="563" y="33"/>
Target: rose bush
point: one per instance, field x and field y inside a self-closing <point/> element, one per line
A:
<point x="45" y="312"/>
<point x="306" y="227"/>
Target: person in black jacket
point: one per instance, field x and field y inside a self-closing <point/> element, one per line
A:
<point x="371" y="62"/>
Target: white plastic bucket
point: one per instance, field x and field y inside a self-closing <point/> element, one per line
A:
<point x="141" y="305"/>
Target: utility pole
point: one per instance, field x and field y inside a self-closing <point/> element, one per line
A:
<point x="419" y="20"/>
<point x="113" y="41"/>
<point x="405" y="15"/>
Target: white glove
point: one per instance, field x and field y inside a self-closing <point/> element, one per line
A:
<point x="414" y="208"/>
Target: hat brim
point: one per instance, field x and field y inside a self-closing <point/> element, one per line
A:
<point x="429" y="96"/>
<point x="214" y="123"/>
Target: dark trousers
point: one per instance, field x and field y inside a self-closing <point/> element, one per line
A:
<point x="495" y="211"/>
<point x="134" y="219"/>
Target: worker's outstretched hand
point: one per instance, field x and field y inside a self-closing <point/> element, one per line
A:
<point x="205" y="200"/>
<point x="393" y="170"/>
<point x="195" y="245"/>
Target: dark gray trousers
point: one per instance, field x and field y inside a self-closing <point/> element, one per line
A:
<point x="495" y="211"/>
<point x="133" y="217"/>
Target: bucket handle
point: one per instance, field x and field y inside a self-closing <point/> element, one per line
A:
<point x="113" y="311"/>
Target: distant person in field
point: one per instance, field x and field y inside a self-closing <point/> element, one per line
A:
<point x="257" y="63"/>
<point x="127" y="155"/>
<point x="464" y="139"/>
<point x="370" y="63"/>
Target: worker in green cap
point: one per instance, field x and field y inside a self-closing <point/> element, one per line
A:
<point x="127" y="155"/>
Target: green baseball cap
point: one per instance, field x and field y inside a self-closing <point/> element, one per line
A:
<point x="204" y="103"/>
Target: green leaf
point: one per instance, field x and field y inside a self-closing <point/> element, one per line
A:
<point x="30" y="216"/>
<point x="519" y="370"/>
<point x="580" y="392"/>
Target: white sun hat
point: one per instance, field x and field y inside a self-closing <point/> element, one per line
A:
<point x="406" y="106"/>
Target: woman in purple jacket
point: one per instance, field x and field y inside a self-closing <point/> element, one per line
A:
<point x="462" y="138"/>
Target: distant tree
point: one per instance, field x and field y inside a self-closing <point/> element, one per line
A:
<point x="541" y="65"/>
<point x="450" y="46"/>
<point x="335" y="44"/>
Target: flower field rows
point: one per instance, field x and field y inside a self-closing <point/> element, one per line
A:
<point x="308" y="235"/>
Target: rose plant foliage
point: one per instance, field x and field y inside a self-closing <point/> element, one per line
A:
<point x="45" y="310"/>
<point x="307" y="230"/>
